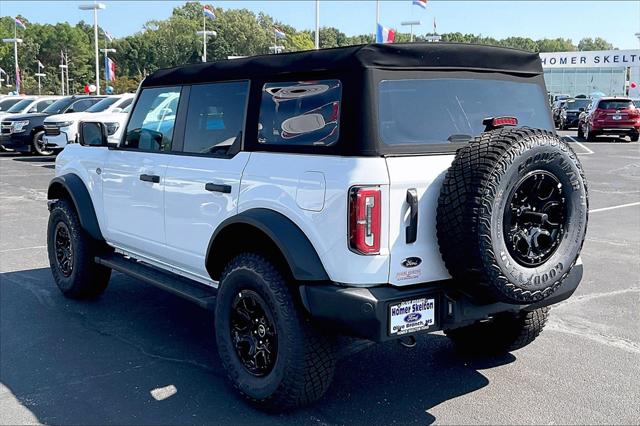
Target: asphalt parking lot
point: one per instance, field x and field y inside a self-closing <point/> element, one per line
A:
<point x="141" y="356"/>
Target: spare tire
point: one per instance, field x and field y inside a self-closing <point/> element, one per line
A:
<point x="512" y="214"/>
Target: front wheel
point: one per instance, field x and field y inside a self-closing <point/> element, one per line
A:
<point x="273" y="355"/>
<point x="71" y="255"/>
<point x="505" y="332"/>
<point x="38" y="146"/>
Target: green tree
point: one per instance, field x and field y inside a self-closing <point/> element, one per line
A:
<point x="594" y="44"/>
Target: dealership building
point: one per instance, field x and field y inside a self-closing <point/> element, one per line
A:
<point x="612" y="72"/>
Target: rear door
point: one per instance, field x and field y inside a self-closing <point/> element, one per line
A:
<point x="134" y="175"/>
<point x="431" y="118"/>
<point x="202" y="184"/>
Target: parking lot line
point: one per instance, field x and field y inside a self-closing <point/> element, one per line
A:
<point x="604" y="209"/>
<point x="22" y="248"/>
<point x="588" y="151"/>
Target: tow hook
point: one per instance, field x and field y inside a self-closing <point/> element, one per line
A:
<point x="408" y="341"/>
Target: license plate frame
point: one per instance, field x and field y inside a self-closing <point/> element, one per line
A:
<point x="413" y="315"/>
<point x="616" y="117"/>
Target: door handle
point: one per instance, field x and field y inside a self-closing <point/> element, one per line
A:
<point x="412" y="229"/>
<point x="216" y="187"/>
<point x="150" y="178"/>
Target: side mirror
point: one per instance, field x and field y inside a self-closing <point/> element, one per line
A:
<point x="116" y="110"/>
<point x="581" y="109"/>
<point x="93" y="134"/>
<point x="32" y="110"/>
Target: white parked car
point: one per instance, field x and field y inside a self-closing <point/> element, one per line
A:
<point x="59" y="130"/>
<point x="30" y="104"/>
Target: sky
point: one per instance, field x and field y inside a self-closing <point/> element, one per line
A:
<point x="615" y="21"/>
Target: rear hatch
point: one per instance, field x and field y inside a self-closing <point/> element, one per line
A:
<point x="616" y="113"/>
<point x="431" y="118"/>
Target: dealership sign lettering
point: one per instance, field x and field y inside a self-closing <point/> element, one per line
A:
<point x="593" y="59"/>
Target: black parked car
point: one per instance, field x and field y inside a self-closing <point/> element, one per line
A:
<point x="23" y="132"/>
<point x="570" y="112"/>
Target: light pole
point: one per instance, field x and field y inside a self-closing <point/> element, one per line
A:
<point x="95" y="7"/>
<point x="411" y="24"/>
<point x="39" y="74"/>
<point x="62" y="68"/>
<point x="205" y="35"/>
<point x="317" y="37"/>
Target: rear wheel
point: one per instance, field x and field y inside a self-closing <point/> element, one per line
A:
<point x="590" y="135"/>
<point x="273" y="355"/>
<point x="634" y="137"/>
<point x="38" y="145"/>
<point x="580" y="132"/>
<point x="500" y="334"/>
<point x="71" y="255"/>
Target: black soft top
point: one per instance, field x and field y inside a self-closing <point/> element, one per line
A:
<point x="408" y="56"/>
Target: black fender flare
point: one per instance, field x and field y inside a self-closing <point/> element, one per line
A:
<point x="295" y="247"/>
<point x="72" y="185"/>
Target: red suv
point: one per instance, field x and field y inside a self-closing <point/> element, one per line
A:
<point x="610" y="116"/>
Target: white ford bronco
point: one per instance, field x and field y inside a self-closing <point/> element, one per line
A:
<point x="374" y="191"/>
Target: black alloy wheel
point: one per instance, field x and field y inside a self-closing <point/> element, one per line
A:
<point x="63" y="249"/>
<point x="534" y="221"/>
<point x="253" y="333"/>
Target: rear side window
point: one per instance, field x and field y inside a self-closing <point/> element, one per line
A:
<point x="300" y="113"/>
<point x="615" y="104"/>
<point x="441" y="111"/>
<point x="215" y="117"/>
<point x="152" y="120"/>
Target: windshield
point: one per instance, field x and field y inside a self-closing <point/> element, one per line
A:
<point x="576" y="104"/>
<point x="58" y="106"/>
<point x="440" y="111"/>
<point x="102" y="105"/>
<point x="617" y="104"/>
<point x="21" y="105"/>
<point x="5" y="104"/>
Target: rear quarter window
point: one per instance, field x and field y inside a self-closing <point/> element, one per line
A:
<point x="444" y="111"/>
<point x="300" y="113"/>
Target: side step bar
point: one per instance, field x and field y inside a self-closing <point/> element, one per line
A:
<point x="198" y="293"/>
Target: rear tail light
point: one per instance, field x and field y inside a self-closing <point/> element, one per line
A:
<point x="493" y="123"/>
<point x="364" y="219"/>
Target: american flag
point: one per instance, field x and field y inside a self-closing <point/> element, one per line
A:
<point x="421" y="3"/>
<point x="20" y="24"/>
<point x="279" y="33"/>
<point x="208" y="12"/>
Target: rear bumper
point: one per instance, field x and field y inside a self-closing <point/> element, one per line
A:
<point x="612" y="130"/>
<point x="364" y="312"/>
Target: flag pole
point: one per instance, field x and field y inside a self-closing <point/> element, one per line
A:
<point x="317" y="24"/>
<point x="15" y="52"/>
<point x="204" y="37"/>
<point x="377" y="14"/>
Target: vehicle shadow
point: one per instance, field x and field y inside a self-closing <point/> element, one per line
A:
<point x="36" y="159"/>
<point x="139" y="355"/>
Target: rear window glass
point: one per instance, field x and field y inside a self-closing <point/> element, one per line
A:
<point x="300" y="113"/>
<point x="617" y="104"/>
<point x="577" y="104"/>
<point x="440" y="111"/>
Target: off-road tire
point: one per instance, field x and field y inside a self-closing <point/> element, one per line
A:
<point x="305" y="360"/>
<point x="503" y="333"/>
<point x="87" y="279"/>
<point x="471" y="214"/>
<point x="36" y="148"/>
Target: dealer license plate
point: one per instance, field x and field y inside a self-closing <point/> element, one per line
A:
<point x="411" y="316"/>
